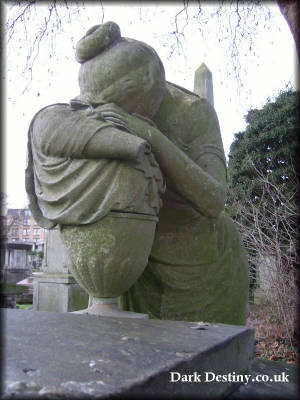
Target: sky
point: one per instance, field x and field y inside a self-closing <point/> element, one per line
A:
<point x="267" y="61"/>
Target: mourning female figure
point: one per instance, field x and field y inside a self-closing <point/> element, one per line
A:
<point x="134" y="144"/>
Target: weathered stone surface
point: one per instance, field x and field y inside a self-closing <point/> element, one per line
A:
<point x="55" y="289"/>
<point x="203" y="83"/>
<point x="73" y="182"/>
<point x="212" y="290"/>
<point x="75" y="356"/>
<point x="107" y="150"/>
<point x="58" y="292"/>
<point x="56" y="258"/>
<point x="107" y="257"/>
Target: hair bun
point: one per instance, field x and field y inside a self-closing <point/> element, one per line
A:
<point x="96" y="40"/>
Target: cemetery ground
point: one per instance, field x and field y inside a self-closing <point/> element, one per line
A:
<point x="271" y="340"/>
<point x="24" y="306"/>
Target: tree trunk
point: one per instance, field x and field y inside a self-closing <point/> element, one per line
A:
<point x="290" y="11"/>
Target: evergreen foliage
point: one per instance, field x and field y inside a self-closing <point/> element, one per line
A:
<point x="264" y="202"/>
<point x="269" y="145"/>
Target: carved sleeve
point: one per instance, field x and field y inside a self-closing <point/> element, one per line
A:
<point x="59" y="131"/>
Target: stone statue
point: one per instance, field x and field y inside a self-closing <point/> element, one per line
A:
<point x="127" y="141"/>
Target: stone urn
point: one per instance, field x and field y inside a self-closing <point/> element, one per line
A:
<point x="107" y="257"/>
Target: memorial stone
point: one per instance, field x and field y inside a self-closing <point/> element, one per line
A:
<point x="55" y="289"/>
<point x="133" y="172"/>
<point x="203" y="83"/>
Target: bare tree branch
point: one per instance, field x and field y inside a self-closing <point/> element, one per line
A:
<point x="269" y="229"/>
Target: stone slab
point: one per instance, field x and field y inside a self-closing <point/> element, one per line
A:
<point x="52" y="355"/>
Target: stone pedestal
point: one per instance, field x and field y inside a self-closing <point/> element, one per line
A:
<point x="54" y="288"/>
<point x="58" y="293"/>
<point x="86" y="356"/>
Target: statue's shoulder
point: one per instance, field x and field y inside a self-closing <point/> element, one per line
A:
<point x="51" y="109"/>
<point x="48" y="113"/>
<point x="179" y="90"/>
<point x="191" y="106"/>
<point x="194" y="117"/>
<point x="186" y="99"/>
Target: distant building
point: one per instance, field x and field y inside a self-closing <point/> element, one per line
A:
<point x="21" y="227"/>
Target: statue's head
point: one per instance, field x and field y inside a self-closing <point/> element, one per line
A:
<point x="119" y="70"/>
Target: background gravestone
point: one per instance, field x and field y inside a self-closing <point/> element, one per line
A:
<point x="203" y="83"/>
<point x="55" y="289"/>
<point x="16" y="266"/>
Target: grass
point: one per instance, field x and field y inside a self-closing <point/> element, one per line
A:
<point x="24" y="306"/>
<point x="10" y="288"/>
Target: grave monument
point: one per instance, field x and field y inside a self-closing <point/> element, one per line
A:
<point x="133" y="173"/>
<point x="131" y="176"/>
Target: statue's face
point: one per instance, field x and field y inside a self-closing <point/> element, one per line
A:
<point x="127" y="75"/>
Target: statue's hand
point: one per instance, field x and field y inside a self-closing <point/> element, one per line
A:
<point x="115" y="114"/>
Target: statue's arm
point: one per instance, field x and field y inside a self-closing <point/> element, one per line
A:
<point x="196" y="182"/>
<point x="204" y="189"/>
<point x="110" y="142"/>
<point x="60" y="132"/>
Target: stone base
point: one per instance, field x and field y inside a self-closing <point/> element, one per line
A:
<point x="86" y="356"/>
<point x="58" y="292"/>
<point x="110" y="310"/>
<point x="55" y="289"/>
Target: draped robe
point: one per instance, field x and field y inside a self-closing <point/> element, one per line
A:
<point x="197" y="269"/>
<point x="65" y="187"/>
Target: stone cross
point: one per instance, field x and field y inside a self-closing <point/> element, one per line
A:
<point x="203" y="84"/>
